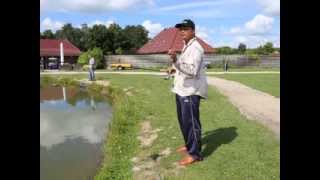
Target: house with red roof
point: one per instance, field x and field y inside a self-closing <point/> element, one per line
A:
<point x="169" y="38"/>
<point x="50" y="52"/>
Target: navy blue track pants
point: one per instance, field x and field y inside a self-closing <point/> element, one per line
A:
<point x="188" y="116"/>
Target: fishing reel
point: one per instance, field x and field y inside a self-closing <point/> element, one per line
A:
<point x="171" y="70"/>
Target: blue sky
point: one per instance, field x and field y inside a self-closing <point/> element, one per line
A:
<point x="218" y="22"/>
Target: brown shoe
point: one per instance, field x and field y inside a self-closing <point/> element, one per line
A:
<point x="182" y="149"/>
<point x="187" y="161"/>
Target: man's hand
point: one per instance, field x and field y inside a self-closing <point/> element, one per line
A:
<point x="171" y="70"/>
<point x="173" y="55"/>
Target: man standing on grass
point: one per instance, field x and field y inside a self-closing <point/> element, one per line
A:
<point x="190" y="85"/>
<point x="226" y="66"/>
<point x="91" y="69"/>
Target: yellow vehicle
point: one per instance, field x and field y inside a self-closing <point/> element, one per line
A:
<point x="121" y="66"/>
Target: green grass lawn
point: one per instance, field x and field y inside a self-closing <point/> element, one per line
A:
<point x="233" y="146"/>
<point x="244" y="69"/>
<point x="269" y="83"/>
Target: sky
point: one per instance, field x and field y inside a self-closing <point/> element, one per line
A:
<point x="218" y="22"/>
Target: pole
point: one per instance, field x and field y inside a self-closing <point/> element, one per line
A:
<point x="61" y="54"/>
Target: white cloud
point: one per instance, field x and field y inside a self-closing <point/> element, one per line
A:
<point x="253" y="33"/>
<point x="276" y="43"/>
<point x="47" y="23"/>
<point x="92" y="6"/>
<point x="190" y="5"/>
<point x="204" y="14"/>
<point x="241" y="39"/>
<point x="58" y="124"/>
<point x="203" y="33"/>
<point x="199" y="9"/>
<point x="153" y="28"/>
<point x="198" y="4"/>
<point x="270" y="7"/>
<point x="235" y="30"/>
<point x="98" y="22"/>
<point x="260" y="24"/>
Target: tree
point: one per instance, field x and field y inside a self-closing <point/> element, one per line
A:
<point x="242" y="48"/>
<point x="84" y="39"/>
<point x="98" y="36"/>
<point x="71" y="34"/>
<point x="265" y="49"/>
<point x="115" y="37"/>
<point x="48" y="34"/>
<point x="259" y="50"/>
<point x="83" y="59"/>
<point x="268" y="48"/>
<point x="111" y="40"/>
<point x="77" y="35"/>
<point x="135" y="38"/>
<point x="224" y="50"/>
<point x="96" y="53"/>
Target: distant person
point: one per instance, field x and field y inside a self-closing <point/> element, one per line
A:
<point x="91" y="68"/>
<point x="190" y="86"/>
<point x="226" y="66"/>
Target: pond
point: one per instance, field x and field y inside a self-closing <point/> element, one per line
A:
<point x="73" y="125"/>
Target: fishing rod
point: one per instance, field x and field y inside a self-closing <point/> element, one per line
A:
<point x="169" y="70"/>
<point x="149" y="69"/>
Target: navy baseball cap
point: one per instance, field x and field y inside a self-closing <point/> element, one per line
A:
<point x="185" y="23"/>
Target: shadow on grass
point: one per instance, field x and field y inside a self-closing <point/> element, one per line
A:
<point x="215" y="138"/>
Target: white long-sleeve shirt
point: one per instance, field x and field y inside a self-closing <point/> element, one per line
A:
<point x="190" y="77"/>
<point x="91" y="62"/>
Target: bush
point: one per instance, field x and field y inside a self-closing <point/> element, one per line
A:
<point x="96" y="53"/>
<point x="83" y="58"/>
<point x="85" y="68"/>
<point x="119" y="50"/>
<point x="77" y="67"/>
<point x="253" y="56"/>
<point x="66" y="67"/>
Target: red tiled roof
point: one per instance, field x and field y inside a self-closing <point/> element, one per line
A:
<point x="169" y="38"/>
<point x="51" y="47"/>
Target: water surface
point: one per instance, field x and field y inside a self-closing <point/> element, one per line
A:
<point x="73" y="125"/>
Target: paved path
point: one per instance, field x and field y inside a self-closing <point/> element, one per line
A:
<point x="254" y="104"/>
